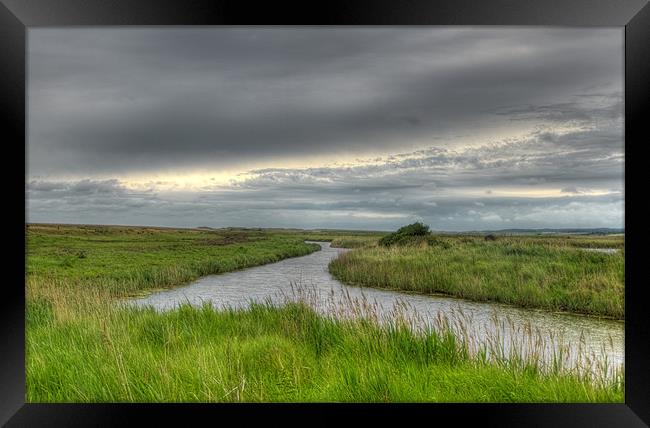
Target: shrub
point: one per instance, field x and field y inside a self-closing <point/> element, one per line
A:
<point x="415" y="229"/>
<point x="405" y="234"/>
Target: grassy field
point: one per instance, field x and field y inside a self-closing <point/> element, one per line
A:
<point x="269" y="354"/>
<point x="130" y="260"/>
<point x="354" y="242"/>
<point x="551" y="272"/>
<point x="82" y="347"/>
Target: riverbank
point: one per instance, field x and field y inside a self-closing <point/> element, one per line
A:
<point x="267" y="353"/>
<point x="532" y="272"/>
<point x="124" y="261"/>
<point x="82" y="347"/>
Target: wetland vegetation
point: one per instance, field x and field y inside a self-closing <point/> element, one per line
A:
<point x="548" y="272"/>
<point x="83" y="347"/>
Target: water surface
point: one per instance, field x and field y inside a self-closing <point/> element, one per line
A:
<point x="515" y="328"/>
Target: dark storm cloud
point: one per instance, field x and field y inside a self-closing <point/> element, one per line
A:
<point x="463" y="128"/>
<point x="123" y="100"/>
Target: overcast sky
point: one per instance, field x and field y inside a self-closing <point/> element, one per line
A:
<point x="464" y="128"/>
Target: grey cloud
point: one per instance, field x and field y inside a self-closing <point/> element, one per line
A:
<point x="112" y="102"/>
<point x="575" y="190"/>
<point x="580" y="108"/>
<point x="538" y="159"/>
<point x="80" y="187"/>
<point x="429" y="185"/>
<point x="118" y="100"/>
<point x="378" y="211"/>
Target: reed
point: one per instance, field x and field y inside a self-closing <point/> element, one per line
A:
<point x="271" y="353"/>
<point x="554" y="274"/>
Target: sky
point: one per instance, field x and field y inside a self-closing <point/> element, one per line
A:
<point x="372" y="128"/>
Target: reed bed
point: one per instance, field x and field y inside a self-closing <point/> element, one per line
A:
<point x="275" y="353"/>
<point x="554" y="274"/>
<point x="499" y="340"/>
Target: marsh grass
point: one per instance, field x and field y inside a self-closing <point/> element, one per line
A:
<point x="547" y="273"/>
<point x="111" y="353"/>
<point x="82" y="346"/>
<point x="499" y="340"/>
<point x="128" y="260"/>
<point x="354" y="242"/>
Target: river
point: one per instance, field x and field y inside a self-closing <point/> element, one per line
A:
<point x="506" y="328"/>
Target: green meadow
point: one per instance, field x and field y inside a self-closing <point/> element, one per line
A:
<point x="554" y="273"/>
<point x="83" y="346"/>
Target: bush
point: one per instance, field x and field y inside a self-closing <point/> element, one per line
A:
<point x="490" y="237"/>
<point x="415" y="229"/>
<point x="405" y="234"/>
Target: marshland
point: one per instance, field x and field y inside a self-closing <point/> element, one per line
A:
<point x="355" y="214"/>
<point x="144" y="314"/>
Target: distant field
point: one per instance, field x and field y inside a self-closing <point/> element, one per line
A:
<point x="548" y="272"/>
<point x="82" y="347"/>
<point x="127" y="260"/>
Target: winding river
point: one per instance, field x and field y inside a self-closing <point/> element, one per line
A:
<point x="571" y="338"/>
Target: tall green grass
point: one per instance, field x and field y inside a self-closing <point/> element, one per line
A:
<point x="267" y="353"/>
<point x="81" y="346"/>
<point x="550" y="274"/>
<point x="130" y="260"/>
<point x="354" y="242"/>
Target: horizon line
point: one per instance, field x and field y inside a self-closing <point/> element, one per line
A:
<point x="561" y="229"/>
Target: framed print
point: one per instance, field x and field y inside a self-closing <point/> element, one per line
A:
<point x="348" y="209"/>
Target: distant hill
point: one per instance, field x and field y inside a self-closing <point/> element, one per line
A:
<point x="567" y="231"/>
<point x="547" y="231"/>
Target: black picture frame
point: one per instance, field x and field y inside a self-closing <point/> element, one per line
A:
<point x="16" y="16"/>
